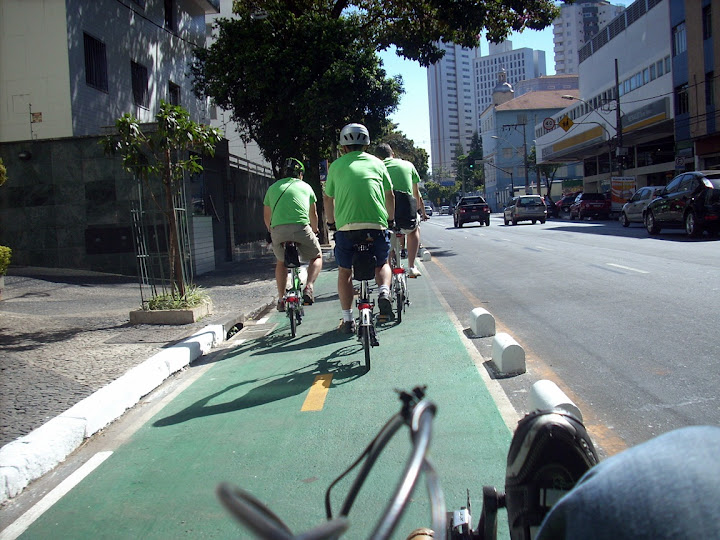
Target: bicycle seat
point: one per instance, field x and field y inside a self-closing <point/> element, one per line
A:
<point x="292" y="257"/>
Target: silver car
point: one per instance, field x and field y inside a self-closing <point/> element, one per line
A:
<point x="525" y="208"/>
<point x="632" y="211"/>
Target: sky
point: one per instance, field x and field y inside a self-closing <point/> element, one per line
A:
<point x="413" y="114"/>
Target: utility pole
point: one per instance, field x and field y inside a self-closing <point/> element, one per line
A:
<point x="525" y="152"/>
<point x="619" y="150"/>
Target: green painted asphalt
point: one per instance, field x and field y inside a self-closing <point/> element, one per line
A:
<point x="241" y="422"/>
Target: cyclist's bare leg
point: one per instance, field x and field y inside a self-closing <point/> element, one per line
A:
<point x="345" y="287"/>
<point x="313" y="272"/>
<point x="413" y="243"/>
<point x="281" y="277"/>
<point x="383" y="275"/>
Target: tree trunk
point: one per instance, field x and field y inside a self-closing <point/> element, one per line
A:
<point x="174" y="256"/>
<point x="312" y="176"/>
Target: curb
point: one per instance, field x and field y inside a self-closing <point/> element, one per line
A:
<point x="37" y="453"/>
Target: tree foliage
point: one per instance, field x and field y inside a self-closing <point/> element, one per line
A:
<point x="544" y="170"/>
<point x="163" y="151"/>
<point x="3" y="172"/>
<point x="405" y="148"/>
<point x="416" y="27"/>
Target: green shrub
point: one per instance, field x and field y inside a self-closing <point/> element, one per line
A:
<point x="195" y="296"/>
<point x="3" y="172"/>
<point x="5" y="256"/>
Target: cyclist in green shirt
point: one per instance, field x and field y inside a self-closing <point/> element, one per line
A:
<point x="405" y="179"/>
<point x="290" y="215"/>
<point x="359" y="202"/>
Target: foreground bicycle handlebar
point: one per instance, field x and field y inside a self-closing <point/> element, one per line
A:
<point x="417" y="414"/>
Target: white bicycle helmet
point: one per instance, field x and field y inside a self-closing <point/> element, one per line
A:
<point x="354" y="134"/>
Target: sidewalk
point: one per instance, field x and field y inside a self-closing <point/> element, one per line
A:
<point x="65" y="334"/>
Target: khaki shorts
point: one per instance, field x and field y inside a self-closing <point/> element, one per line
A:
<point x="307" y="243"/>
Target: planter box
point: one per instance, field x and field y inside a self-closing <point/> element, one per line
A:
<point x="171" y="316"/>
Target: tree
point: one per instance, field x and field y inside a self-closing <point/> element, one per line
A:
<point x="300" y="81"/>
<point x="3" y="172"/>
<point x="547" y="170"/>
<point x="438" y="193"/>
<point x="163" y="153"/>
<point x="405" y="148"/>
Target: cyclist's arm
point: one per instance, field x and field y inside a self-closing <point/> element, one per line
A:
<point x="267" y="216"/>
<point x="313" y="218"/>
<point x="329" y="204"/>
<point x="390" y="204"/>
<point x="418" y="198"/>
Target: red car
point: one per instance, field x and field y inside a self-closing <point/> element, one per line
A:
<point x="590" y="204"/>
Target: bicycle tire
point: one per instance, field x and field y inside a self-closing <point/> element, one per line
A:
<point x="293" y="322"/>
<point x="400" y="305"/>
<point x="365" y="338"/>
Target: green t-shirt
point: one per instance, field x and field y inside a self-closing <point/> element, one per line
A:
<point x="292" y="205"/>
<point x="402" y="173"/>
<point x="358" y="182"/>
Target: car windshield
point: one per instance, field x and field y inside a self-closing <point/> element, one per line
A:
<point x="530" y="201"/>
<point x="473" y="200"/>
<point x="593" y="197"/>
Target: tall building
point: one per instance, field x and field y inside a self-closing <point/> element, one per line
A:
<point x="518" y="65"/>
<point x="451" y="98"/>
<point x="576" y="25"/>
<point x="460" y="87"/>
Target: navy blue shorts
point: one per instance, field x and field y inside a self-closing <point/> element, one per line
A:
<point x="345" y="240"/>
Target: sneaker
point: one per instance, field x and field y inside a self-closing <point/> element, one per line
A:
<point x="414" y="272"/>
<point x="281" y="304"/>
<point x="403" y="254"/>
<point x="385" y="304"/>
<point x="549" y="452"/>
<point x="308" y="298"/>
<point x="347" y="327"/>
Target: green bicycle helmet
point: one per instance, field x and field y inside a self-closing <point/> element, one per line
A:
<point x="294" y="167"/>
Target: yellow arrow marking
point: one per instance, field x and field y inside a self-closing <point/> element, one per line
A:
<point x="315" y="399"/>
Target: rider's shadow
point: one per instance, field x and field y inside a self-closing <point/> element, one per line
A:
<point x="276" y="388"/>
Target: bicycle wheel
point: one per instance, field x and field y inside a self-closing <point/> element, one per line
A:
<point x="400" y="300"/>
<point x="365" y="338"/>
<point x="293" y="321"/>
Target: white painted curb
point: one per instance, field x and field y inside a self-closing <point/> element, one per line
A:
<point x="545" y="395"/>
<point x="507" y="355"/>
<point x="482" y="323"/>
<point x="28" y="458"/>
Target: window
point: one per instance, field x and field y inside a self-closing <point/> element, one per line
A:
<point x="141" y="95"/>
<point x="674" y="185"/>
<point x="660" y="68"/>
<point x="679" y="39"/>
<point x="681" y="100"/>
<point x="652" y="72"/>
<point x="173" y="93"/>
<point x="170" y="15"/>
<point x="667" y="64"/>
<point x="96" y="73"/>
<point x="707" y="22"/>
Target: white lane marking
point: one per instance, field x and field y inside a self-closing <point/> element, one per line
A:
<point x="28" y="518"/>
<point x="263" y="320"/>
<point x="628" y="268"/>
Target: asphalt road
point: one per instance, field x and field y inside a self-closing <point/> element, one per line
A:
<point x="624" y="323"/>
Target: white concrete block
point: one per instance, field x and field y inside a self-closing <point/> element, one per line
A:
<point x="507" y="355"/>
<point x="482" y="323"/>
<point x="546" y="395"/>
<point x="426" y="256"/>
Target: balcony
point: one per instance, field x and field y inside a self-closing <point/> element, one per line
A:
<point x="207" y="6"/>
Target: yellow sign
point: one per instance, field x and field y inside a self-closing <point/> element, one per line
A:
<point x="565" y="122"/>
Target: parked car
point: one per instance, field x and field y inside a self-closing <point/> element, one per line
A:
<point x="632" y="211"/>
<point x="444" y="210"/>
<point x="563" y="205"/>
<point x="690" y="201"/>
<point x="590" y="204"/>
<point x="428" y="210"/>
<point x="552" y="210"/>
<point x="525" y="208"/>
<point x="473" y="208"/>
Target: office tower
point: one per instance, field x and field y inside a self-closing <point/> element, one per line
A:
<point x="576" y="26"/>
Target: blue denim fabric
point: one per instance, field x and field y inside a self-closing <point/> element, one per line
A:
<point x="345" y="240"/>
<point x="668" y="487"/>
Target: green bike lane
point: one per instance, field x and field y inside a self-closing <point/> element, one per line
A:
<point x="282" y="418"/>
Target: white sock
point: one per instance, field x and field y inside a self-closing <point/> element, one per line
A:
<point x="347" y="315"/>
<point x="383" y="290"/>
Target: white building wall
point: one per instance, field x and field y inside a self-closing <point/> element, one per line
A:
<point x="451" y="99"/>
<point x="33" y="70"/>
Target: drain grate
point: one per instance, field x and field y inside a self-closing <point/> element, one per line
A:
<point x="255" y="331"/>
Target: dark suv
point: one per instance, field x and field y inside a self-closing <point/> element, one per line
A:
<point x="469" y="209"/>
<point x="690" y="201"/>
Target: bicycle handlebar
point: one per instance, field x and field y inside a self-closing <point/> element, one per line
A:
<point x="418" y="414"/>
